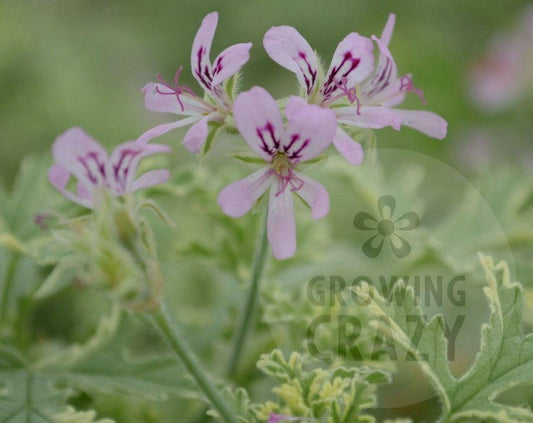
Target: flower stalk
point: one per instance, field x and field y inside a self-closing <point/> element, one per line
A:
<point x="162" y="322"/>
<point x="253" y="293"/>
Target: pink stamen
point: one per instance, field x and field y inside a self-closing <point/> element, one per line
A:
<point x="290" y="178"/>
<point x="177" y="89"/>
<point x="407" y="84"/>
<point x="351" y="93"/>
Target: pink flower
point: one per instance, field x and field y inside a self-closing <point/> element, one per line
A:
<point x="383" y="90"/>
<point x="77" y="154"/>
<point x="352" y="78"/>
<point x="504" y="74"/>
<point x="309" y="131"/>
<point x="181" y="100"/>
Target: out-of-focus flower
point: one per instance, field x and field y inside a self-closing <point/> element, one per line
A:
<point x="505" y="72"/>
<point x="183" y="101"/>
<point x="352" y="78"/>
<point x="77" y="155"/>
<point x="309" y="131"/>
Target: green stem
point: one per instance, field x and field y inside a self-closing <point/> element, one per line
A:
<point x="164" y="325"/>
<point x="249" y="308"/>
<point x="10" y="277"/>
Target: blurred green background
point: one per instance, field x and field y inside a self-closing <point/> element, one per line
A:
<point x="73" y="62"/>
<point x="67" y="63"/>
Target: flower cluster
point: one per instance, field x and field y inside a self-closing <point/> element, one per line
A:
<point x="357" y="91"/>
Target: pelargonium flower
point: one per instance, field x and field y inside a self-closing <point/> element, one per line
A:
<point x="77" y="155"/>
<point x="384" y="89"/>
<point x="183" y="101"/>
<point x="309" y="131"/>
<point x="352" y="78"/>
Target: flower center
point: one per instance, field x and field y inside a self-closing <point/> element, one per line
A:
<point x="386" y="227"/>
<point x="281" y="165"/>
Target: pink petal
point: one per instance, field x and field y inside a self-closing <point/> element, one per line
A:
<point x="288" y="48"/>
<point x="163" y="129"/>
<point x="166" y="103"/>
<point x="150" y="178"/>
<point x="388" y="30"/>
<point x="230" y="61"/>
<point x="373" y="117"/>
<point x="281" y="226"/>
<point x="84" y="192"/>
<point x="201" y="47"/>
<point x="82" y="156"/>
<point x="348" y="148"/>
<point x="259" y="121"/>
<point x="293" y="105"/>
<point x="239" y="197"/>
<point x="59" y="177"/>
<point x="352" y="62"/>
<point x="428" y="123"/>
<point x="196" y="136"/>
<point x="384" y="82"/>
<point x="309" y="132"/>
<point x="124" y="162"/>
<point x="315" y="195"/>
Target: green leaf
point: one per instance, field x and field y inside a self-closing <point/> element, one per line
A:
<point x="505" y="359"/>
<point x="339" y="394"/>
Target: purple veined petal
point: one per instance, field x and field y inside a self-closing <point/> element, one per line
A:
<point x="59" y="177"/>
<point x="384" y="79"/>
<point x="164" y="128"/>
<point x="281" y="226"/>
<point x="428" y="123"/>
<point x="167" y="103"/>
<point x="201" y="47"/>
<point x="351" y="150"/>
<point x="310" y="130"/>
<point x="82" y="156"/>
<point x="197" y="134"/>
<point x="315" y="195"/>
<point x="286" y="46"/>
<point x="352" y="62"/>
<point x="239" y="197"/>
<point x="125" y="159"/>
<point x="372" y="117"/>
<point x="386" y="35"/>
<point x="230" y="61"/>
<point x="293" y="105"/>
<point x="259" y="121"/>
<point x="149" y="179"/>
<point x="392" y="96"/>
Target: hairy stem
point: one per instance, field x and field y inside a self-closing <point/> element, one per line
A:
<point x="164" y="325"/>
<point x="249" y="308"/>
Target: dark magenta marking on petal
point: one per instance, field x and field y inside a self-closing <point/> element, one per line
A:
<point x="381" y="79"/>
<point x="198" y="71"/>
<point x="309" y="74"/>
<point x="331" y="83"/>
<point x="100" y="167"/>
<point x="122" y="168"/>
<point x="274" y="143"/>
<point x="218" y="65"/>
